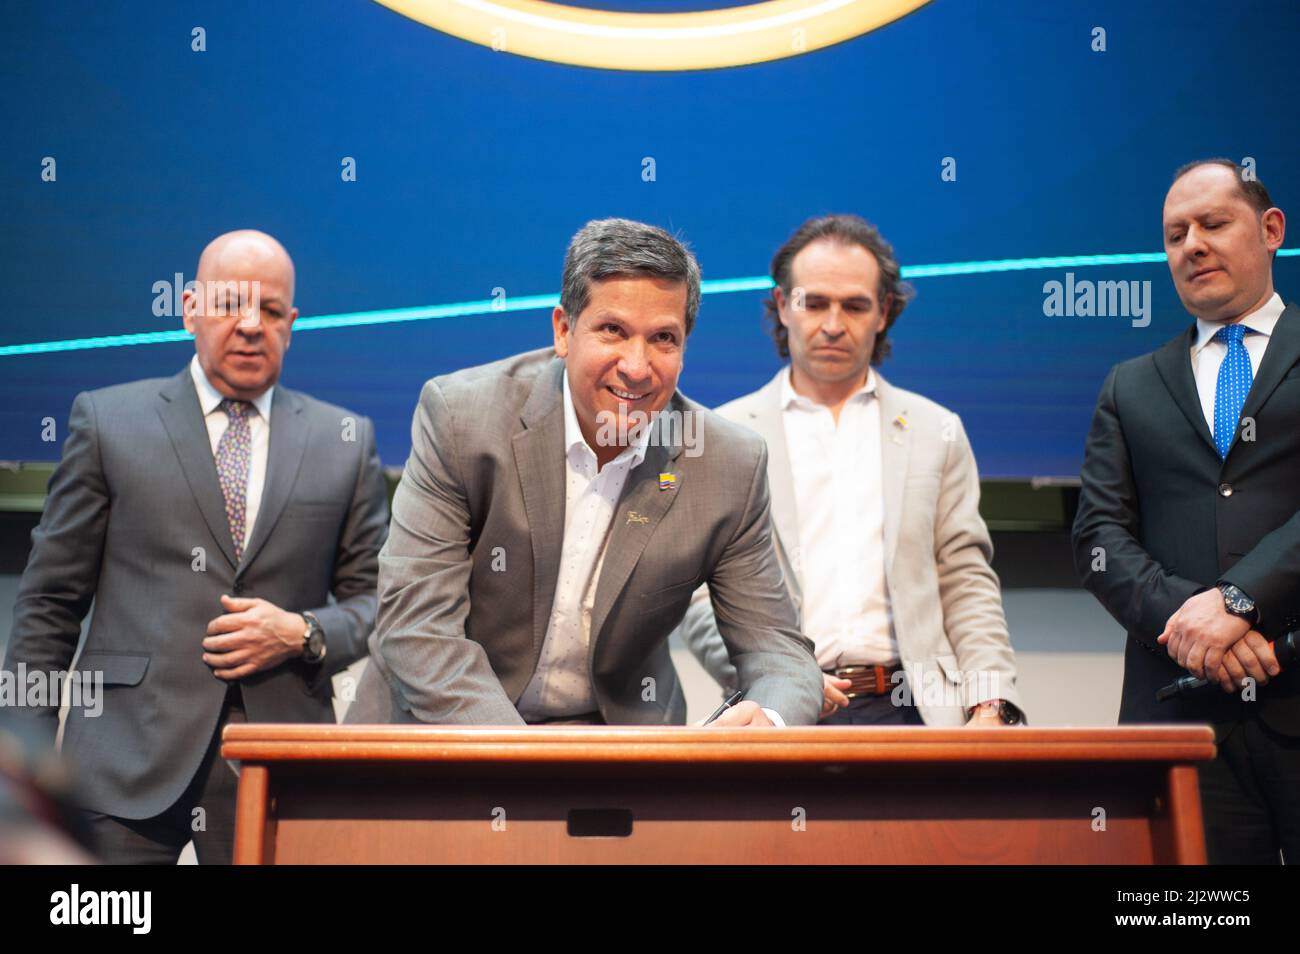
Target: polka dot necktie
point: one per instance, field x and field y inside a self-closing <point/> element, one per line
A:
<point x="234" y="453"/>
<point x="1230" y="392"/>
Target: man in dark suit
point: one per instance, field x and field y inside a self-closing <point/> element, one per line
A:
<point x="1188" y="529"/>
<point x="557" y="511"/>
<point x="211" y="517"/>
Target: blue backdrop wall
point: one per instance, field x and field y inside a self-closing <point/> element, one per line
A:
<point x="473" y="169"/>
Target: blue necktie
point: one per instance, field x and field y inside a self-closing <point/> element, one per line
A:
<point x="1235" y="376"/>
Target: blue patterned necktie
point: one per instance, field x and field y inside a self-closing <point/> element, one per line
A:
<point x="234" y="454"/>
<point x="1235" y="377"/>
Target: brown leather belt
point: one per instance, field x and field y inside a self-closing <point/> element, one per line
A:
<point x="866" y="680"/>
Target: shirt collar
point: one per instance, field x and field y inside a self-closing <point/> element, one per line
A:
<point x="573" y="433"/>
<point x="789" y="396"/>
<point x="210" y="398"/>
<point x="1262" y="320"/>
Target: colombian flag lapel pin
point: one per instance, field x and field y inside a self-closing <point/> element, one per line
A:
<point x="900" y="425"/>
<point x="667" y="481"/>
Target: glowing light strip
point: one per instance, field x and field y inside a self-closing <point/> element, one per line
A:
<point x="620" y="40"/>
<point x="581" y="21"/>
<point x="489" y="306"/>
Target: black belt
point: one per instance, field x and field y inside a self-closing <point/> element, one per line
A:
<point x="582" y="718"/>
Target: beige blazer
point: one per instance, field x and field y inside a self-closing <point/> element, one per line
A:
<point x="944" y="596"/>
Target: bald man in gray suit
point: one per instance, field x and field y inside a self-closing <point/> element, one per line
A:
<point x="228" y="530"/>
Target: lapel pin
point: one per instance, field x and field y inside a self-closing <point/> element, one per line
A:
<point x="900" y="424"/>
<point x="667" y="481"/>
<point x="634" y="517"/>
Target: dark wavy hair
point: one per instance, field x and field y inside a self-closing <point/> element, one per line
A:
<point x="846" y="230"/>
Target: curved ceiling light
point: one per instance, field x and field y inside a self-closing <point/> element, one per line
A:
<point x="613" y="40"/>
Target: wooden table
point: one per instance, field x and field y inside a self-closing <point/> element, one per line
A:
<point x="801" y="795"/>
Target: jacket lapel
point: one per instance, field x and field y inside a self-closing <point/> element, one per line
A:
<point x="183" y="418"/>
<point x="288" y="440"/>
<point x="539" y="460"/>
<point x="895" y="449"/>
<point x="1280" y="357"/>
<point x="1174" y="364"/>
<point x="640" y="508"/>
<point x="764" y="416"/>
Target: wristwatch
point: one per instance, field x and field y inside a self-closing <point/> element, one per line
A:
<point x="1238" y="603"/>
<point x="313" y="641"/>
<point x="1008" y="713"/>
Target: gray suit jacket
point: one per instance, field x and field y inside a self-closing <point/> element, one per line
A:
<point x="468" y="575"/>
<point x="135" y="520"/>
<point x="944" y="596"/>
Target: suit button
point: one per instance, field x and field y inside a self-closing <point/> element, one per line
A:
<point x="1225" y="490"/>
<point x="237" y="589"/>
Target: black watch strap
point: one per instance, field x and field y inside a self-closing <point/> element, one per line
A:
<point x="313" y="643"/>
<point x="1238" y="603"/>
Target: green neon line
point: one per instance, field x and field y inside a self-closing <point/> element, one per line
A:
<point x="718" y="286"/>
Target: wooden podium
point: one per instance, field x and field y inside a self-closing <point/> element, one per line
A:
<point x="629" y="795"/>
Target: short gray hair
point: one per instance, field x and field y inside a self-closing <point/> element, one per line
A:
<point x="608" y="248"/>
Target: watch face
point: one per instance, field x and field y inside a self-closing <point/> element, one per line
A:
<point x="1237" y="601"/>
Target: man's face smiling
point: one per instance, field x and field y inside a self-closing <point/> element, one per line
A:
<point x="1218" y="246"/>
<point x="623" y="353"/>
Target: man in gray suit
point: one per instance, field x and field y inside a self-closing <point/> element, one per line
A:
<point x="875" y="502"/>
<point x="211" y="517"/>
<point x="559" y="508"/>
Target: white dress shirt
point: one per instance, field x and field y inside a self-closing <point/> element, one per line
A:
<point x="561" y="686"/>
<point x="259" y="427"/>
<point x="1208" y="354"/>
<point x="841" y="547"/>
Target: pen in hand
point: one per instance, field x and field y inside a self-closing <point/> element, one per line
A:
<point x="731" y="700"/>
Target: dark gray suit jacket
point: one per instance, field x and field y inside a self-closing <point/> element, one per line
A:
<point x="1161" y="517"/>
<point x="468" y="576"/>
<point x="132" y="501"/>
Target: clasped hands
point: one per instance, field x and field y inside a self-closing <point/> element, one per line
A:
<point x="250" y="636"/>
<point x="1211" y="643"/>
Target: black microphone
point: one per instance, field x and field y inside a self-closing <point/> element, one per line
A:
<point x="1285" y="648"/>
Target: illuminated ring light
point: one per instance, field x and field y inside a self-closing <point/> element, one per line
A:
<point x="706" y="39"/>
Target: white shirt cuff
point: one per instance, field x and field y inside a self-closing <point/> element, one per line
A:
<point x="775" y="717"/>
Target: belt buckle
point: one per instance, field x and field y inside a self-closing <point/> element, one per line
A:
<point x="848" y="672"/>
